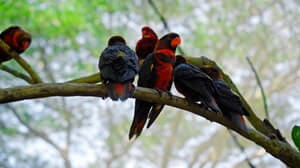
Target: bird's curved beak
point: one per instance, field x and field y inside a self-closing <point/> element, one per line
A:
<point x="175" y="42"/>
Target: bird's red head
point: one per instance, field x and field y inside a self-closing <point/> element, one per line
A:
<point x="213" y="72"/>
<point x="147" y="32"/>
<point x="168" y="44"/>
<point x="16" y="38"/>
<point x="113" y="40"/>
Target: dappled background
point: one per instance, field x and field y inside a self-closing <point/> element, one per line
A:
<point x="68" y="36"/>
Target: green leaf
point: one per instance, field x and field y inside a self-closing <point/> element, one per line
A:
<point x="296" y="136"/>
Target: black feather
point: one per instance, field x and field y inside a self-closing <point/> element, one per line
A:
<point x="195" y="85"/>
<point x="228" y="99"/>
<point x="114" y="67"/>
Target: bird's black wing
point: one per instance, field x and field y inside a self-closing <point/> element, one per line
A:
<point x="227" y="98"/>
<point x="142" y="108"/>
<point x="146" y="73"/>
<point x="194" y="79"/>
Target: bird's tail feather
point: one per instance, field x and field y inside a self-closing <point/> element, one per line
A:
<point x="120" y="91"/>
<point x="136" y="128"/>
<point x="155" y="111"/>
<point x="140" y="117"/>
<point x="214" y="106"/>
<point x="239" y="121"/>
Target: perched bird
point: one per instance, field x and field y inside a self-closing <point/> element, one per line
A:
<point x="17" y="39"/>
<point x="156" y="72"/>
<point x="229" y="102"/>
<point x="146" y="44"/>
<point x="194" y="84"/>
<point x="118" y="65"/>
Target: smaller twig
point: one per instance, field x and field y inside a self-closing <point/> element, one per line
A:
<point x="260" y="86"/>
<point x="94" y="78"/>
<point x="21" y="61"/>
<point x="275" y="132"/>
<point x="161" y="17"/>
<point x="38" y="133"/>
<point x="164" y="21"/>
<point x="16" y="73"/>
<point x="242" y="149"/>
<point x="28" y="69"/>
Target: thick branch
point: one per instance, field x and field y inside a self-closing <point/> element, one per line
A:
<point x="278" y="149"/>
<point x="21" y="61"/>
<point x="16" y="73"/>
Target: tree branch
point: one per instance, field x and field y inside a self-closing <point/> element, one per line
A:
<point x="33" y="130"/>
<point x="16" y="73"/>
<point x="260" y="86"/>
<point x="242" y="149"/>
<point x="201" y="62"/>
<point x="42" y="135"/>
<point x="170" y="142"/>
<point x="163" y="20"/>
<point x="94" y="78"/>
<point x="277" y="148"/>
<point x="21" y="61"/>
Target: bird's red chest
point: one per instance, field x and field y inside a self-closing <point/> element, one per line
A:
<point x="164" y="76"/>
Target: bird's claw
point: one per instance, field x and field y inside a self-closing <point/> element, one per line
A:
<point x="190" y="102"/>
<point x="159" y="92"/>
<point x="170" y="94"/>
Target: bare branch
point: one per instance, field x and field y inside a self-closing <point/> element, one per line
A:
<point x="277" y="148"/>
<point x="260" y="86"/>
<point x="42" y="135"/>
<point x="242" y="149"/>
<point x="94" y="78"/>
<point x="16" y="73"/>
<point x="171" y="141"/>
<point x="33" y="130"/>
<point x="21" y="61"/>
<point x="163" y="20"/>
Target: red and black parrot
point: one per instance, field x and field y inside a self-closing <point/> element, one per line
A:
<point x="118" y="65"/>
<point x="156" y="72"/>
<point x="146" y="44"/>
<point x="17" y="39"/>
<point x="194" y="84"/>
<point x="229" y="102"/>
